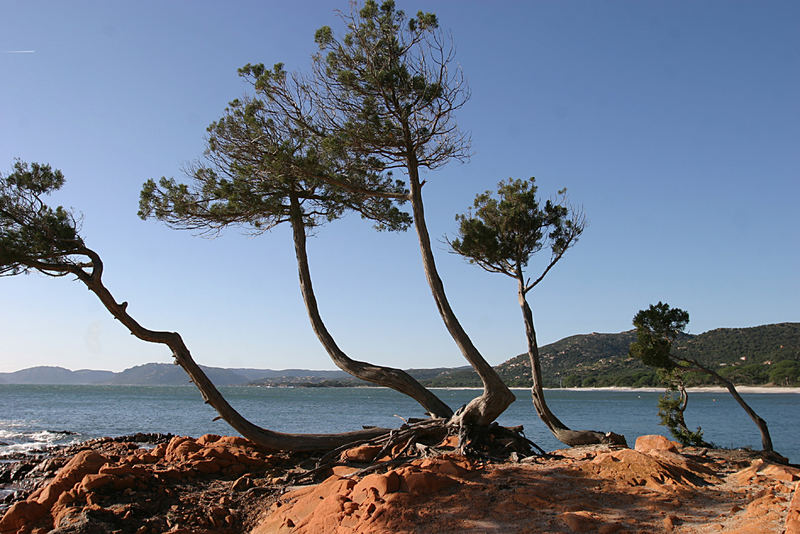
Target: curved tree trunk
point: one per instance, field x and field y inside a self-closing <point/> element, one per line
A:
<point x="683" y="434"/>
<point x="211" y="395"/>
<point x="396" y="379"/>
<point x="684" y="400"/>
<point x="560" y="430"/>
<point x="766" y="440"/>
<point x="496" y="396"/>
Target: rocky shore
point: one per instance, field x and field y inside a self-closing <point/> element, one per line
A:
<point x="154" y="484"/>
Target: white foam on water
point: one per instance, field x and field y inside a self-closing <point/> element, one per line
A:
<point x="25" y="442"/>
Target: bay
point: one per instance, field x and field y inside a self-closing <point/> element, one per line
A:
<point x="36" y="416"/>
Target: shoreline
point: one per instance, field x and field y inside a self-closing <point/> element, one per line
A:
<point x="228" y="485"/>
<point x="693" y="389"/>
<point x="696" y="389"/>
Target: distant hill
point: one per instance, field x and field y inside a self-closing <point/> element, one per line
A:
<point x="747" y="355"/>
<point x="757" y="355"/>
<point x="164" y="374"/>
<point x="55" y="375"/>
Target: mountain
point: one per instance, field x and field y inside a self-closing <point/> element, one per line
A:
<point x="164" y="374"/>
<point x="746" y="355"/>
<point x="757" y="355"/>
<point x="55" y="375"/>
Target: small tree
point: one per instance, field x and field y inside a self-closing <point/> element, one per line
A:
<point x="671" y="409"/>
<point x="657" y="329"/>
<point x="259" y="172"/>
<point x="501" y="234"/>
<point x="36" y="237"/>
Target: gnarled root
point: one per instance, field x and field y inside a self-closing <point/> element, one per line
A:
<point x="425" y="439"/>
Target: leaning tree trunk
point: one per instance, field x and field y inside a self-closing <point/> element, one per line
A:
<point x="681" y="409"/>
<point x="496" y="396"/>
<point x="396" y="379"/>
<point x="673" y="417"/>
<point x="261" y="436"/>
<point x="560" y="430"/>
<point x="766" y="440"/>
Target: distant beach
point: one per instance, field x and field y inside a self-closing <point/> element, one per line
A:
<point x="698" y="389"/>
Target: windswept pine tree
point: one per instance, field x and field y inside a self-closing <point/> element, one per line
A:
<point x="380" y="98"/>
<point x="261" y="171"/>
<point x="657" y="329"/>
<point x="388" y="89"/>
<point x="501" y="234"/>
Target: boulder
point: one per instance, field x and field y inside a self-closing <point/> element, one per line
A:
<point x="655" y="442"/>
<point x="205" y="439"/>
<point x="180" y="448"/>
<point x="22" y="513"/>
<point x="793" y="517"/>
<point x="82" y="464"/>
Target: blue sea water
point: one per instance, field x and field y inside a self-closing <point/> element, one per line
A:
<point x="34" y="416"/>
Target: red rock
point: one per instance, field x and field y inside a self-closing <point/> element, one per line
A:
<point x="659" y="471"/>
<point x="123" y="483"/>
<point x="64" y="516"/>
<point x="580" y="521"/>
<point x="424" y="483"/>
<point x="381" y="483"/>
<point x="444" y="466"/>
<point x="144" y="457"/>
<point x="781" y="472"/>
<point x="343" y="470"/>
<point x="242" y="483"/>
<point x="205" y="439"/>
<point x="363" y="453"/>
<point x="20" y="514"/>
<point x="234" y="440"/>
<point x="220" y="453"/>
<point x="654" y="442"/>
<point x="83" y="463"/>
<point x="93" y="482"/>
<point x="205" y="467"/>
<point x="159" y="450"/>
<point x="180" y="448"/>
<point x="124" y="470"/>
<point x="793" y="516"/>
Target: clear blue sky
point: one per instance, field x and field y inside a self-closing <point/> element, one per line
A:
<point x="676" y="125"/>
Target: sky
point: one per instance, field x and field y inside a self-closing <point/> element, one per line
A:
<point x="674" y="125"/>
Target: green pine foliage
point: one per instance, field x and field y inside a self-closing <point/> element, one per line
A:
<point x="671" y="415"/>
<point x="31" y="232"/>
<point x="256" y="162"/>
<point x="504" y="230"/>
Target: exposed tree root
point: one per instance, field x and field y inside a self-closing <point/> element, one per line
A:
<point x="425" y="439"/>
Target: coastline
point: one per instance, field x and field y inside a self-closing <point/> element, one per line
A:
<point x="696" y="389"/>
<point x="227" y="485"/>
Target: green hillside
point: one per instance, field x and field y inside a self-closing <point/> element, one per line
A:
<point x="757" y="355"/>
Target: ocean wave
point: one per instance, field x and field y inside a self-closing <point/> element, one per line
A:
<point x="15" y="441"/>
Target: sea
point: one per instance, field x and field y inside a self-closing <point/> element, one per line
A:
<point x="35" y="417"/>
